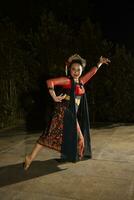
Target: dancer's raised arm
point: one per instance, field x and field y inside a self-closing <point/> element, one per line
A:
<point x="85" y="78"/>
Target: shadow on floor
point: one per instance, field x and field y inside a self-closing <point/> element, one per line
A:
<point x="12" y="174"/>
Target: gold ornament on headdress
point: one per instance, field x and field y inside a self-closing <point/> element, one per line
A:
<point x="77" y="57"/>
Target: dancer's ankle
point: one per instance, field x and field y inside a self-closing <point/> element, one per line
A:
<point x="29" y="157"/>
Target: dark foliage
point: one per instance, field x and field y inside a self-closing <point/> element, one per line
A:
<point x="28" y="59"/>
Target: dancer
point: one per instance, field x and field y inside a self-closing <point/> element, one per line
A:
<point x="69" y="129"/>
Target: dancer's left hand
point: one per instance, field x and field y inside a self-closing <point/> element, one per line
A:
<point x="103" y="60"/>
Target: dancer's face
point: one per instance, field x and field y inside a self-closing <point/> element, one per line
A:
<point x="76" y="70"/>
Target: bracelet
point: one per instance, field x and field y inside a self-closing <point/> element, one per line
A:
<point x="50" y="88"/>
<point x="98" y="65"/>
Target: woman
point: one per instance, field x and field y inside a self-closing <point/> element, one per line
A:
<point x="68" y="131"/>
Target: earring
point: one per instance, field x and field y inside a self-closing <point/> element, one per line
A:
<point x="66" y="70"/>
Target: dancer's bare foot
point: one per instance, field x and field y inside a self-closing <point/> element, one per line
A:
<point x="27" y="162"/>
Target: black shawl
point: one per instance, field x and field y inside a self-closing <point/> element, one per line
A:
<point x="69" y="150"/>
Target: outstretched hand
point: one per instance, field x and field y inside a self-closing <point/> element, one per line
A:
<point x="103" y="60"/>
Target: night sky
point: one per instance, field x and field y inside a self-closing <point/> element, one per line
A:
<point x="116" y="20"/>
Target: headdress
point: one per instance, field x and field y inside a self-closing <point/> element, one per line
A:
<point x="72" y="59"/>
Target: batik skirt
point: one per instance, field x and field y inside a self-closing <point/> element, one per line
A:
<point x="53" y="134"/>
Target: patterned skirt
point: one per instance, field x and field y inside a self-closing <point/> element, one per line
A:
<point x="52" y="135"/>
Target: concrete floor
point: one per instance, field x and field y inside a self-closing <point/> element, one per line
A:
<point x="108" y="176"/>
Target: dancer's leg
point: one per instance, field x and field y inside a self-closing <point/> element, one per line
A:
<point x="36" y="149"/>
<point x="80" y="141"/>
<point x="30" y="157"/>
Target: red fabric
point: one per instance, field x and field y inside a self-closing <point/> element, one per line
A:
<point x="66" y="82"/>
<point x="79" y="90"/>
<point x="85" y="78"/>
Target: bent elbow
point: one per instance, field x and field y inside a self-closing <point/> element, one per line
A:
<point x="49" y="83"/>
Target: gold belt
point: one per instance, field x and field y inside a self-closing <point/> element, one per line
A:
<point x="77" y="101"/>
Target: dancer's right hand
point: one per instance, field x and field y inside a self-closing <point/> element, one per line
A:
<point x="59" y="98"/>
